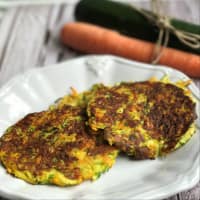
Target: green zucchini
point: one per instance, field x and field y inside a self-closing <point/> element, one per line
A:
<point x="125" y="19"/>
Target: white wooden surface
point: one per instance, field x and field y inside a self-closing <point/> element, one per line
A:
<point x="29" y="37"/>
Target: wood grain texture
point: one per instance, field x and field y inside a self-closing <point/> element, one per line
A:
<point x="6" y="27"/>
<point x="29" y="37"/>
<point x="191" y="194"/>
<point x="25" y="40"/>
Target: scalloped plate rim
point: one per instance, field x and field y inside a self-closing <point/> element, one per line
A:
<point x="189" y="182"/>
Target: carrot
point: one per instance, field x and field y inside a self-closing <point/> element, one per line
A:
<point x="94" y="39"/>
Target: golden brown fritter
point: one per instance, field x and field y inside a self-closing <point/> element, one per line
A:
<point x="54" y="147"/>
<point x="78" y="99"/>
<point x="144" y="119"/>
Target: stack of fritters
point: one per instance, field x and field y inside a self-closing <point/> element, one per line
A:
<point x="79" y="137"/>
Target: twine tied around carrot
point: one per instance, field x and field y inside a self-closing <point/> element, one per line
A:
<point x="165" y="28"/>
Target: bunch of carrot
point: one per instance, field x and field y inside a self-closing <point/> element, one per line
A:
<point x="94" y="39"/>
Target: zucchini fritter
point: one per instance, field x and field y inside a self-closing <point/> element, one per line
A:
<point x="143" y="119"/>
<point x="78" y="99"/>
<point x="54" y="147"/>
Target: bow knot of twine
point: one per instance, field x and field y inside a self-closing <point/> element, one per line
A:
<point x="163" y="22"/>
<point x="190" y="39"/>
<point x="165" y="28"/>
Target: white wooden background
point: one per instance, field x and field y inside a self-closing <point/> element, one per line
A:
<point x="29" y="38"/>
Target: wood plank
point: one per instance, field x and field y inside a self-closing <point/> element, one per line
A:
<point x="6" y="26"/>
<point x="25" y="41"/>
<point x="66" y="16"/>
<point x="53" y="51"/>
<point x="51" y="47"/>
<point x="175" y="197"/>
<point x="193" y="194"/>
<point x="182" y="9"/>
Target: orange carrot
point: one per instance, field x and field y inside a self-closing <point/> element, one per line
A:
<point x="94" y="39"/>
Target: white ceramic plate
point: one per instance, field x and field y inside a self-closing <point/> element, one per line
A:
<point x="149" y="179"/>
